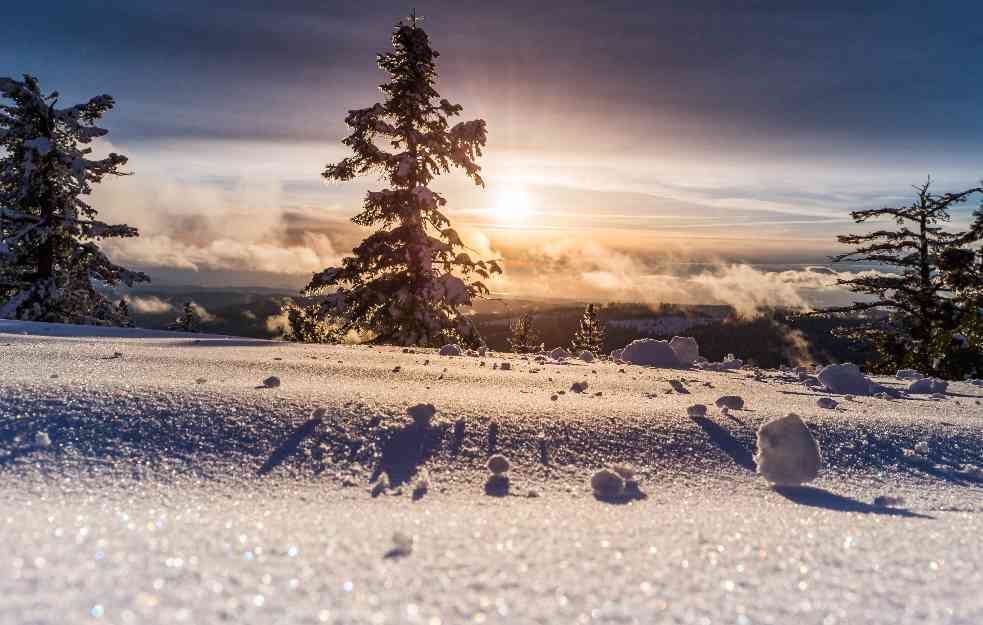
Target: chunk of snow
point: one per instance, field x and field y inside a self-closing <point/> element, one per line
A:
<point x="908" y="374"/>
<point x="921" y="447"/>
<point x="505" y="366"/>
<point x="826" y="402"/>
<point x="731" y="402"/>
<point x="650" y="352"/>
<point x="844" y="378"/>
<point x="927" y="386"/>
<point x="616" y="354"/>
<point x="579" y="387"/>
<point x="607" y="484"/>
<point x="451" y="349"/>
<point x="380" y="486"/>
<point x="499" y="464"/>
<point x="422" y="414"/>
<point x="586" y="356"/>
<point x="686" y="348"/>
<point x="497" y="484"/>
<point x="41" y="439"/>
<point x="559" y="353"/>
<point x="271" y="382"/>
<point x="697" y="410"/>
<point x="787" y="452"/>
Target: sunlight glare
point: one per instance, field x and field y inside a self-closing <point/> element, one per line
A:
<point x="511" y="205"/>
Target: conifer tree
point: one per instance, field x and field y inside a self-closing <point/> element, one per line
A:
<point x="307" y="325"/>
<point x="913" y="305"/>
<point x="524" y="338"/>
<point x="407" y="281"/>
<point x="590" y="335"/>
<point x="188" y="320"/>
<point x="50" y="261"/>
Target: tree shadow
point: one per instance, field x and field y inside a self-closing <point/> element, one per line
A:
<point x="289" y="446"/>
<point x="821" y="498"/>
<point x="404" y="449"/>
<point x="727" y="443"/>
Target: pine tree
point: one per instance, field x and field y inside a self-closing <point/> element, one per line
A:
<point x="912" y="306"/>
<point x="123" y="313"/>
<point x="188" y="320"/>
<point x="49" y="256"/>
<point x="406" y="282"/>
<point x="590" y="335"/>
<point x="307" y="325"/>
<point x="524" y="338"/>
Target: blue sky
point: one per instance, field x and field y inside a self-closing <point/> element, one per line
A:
<point x="711" y="132"/>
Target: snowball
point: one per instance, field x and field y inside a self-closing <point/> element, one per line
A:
<point x="499" y="464"/>
<point x="844" y="378"/>
<point x="579" y="387"/>
<point x="607" y="484"/>
<point x="787" y="451"/>
<point x="451" y="349"/>
<point x="586" y="356"/>
<point x="422" y="413"/>
<point x="271" y="382"/>
<point x="650" y="352"/>
<point x="908" y="374"/>
<point x="41" y="439"/>
<point x="927" y="386"/>
<point x="559" y="354"/>
<point x="921" y="448"/>
<point x="686" y="348"/>
<point x="826" y="402"/>
<point x="697" y="410"/>
<point x="505" y="366"/>
<point x="731" y="402"/>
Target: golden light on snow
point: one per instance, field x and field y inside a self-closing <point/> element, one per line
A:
<point x="511" y="205"/>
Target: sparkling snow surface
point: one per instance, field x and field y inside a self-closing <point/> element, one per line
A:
<point x="177" y="489"/>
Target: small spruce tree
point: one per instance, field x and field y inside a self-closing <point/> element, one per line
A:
<point x="188" y="320"/>
<point x="590" y="335"/>
<point x="307" y="324"/>
<point x="50" y="261"/>
<point x="912" y="309"/>
<point x="524" y="338"/>
<point x="407" y="281"/>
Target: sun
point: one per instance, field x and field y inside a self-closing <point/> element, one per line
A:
<point x="511" y="205"/>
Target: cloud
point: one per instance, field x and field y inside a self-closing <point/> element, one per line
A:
<point x="202" y="313"/>
<point x="150" y="305"/>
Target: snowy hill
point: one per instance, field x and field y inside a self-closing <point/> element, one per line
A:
<point x="210" y="489"/>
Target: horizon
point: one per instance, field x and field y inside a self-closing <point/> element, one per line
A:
<point x="646" y="141"/>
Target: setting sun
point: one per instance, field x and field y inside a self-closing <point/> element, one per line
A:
<point x="511" y="205"/>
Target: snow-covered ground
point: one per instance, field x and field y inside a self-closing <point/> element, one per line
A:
<point x="179" y="488"/>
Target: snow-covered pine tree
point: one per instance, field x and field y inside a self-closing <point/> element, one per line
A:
<point x="49" y="256"/>
<point x="590" y="335"/>
<point x="187" y="321"/>
<point x="406" y="282"/>
<point x="523" y="336"/>
<point x="916" y="294"/>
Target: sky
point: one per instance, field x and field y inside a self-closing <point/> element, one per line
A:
<point x="632" y="146"/>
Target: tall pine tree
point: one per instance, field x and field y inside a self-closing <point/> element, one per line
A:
<point x="523" y="336"/>
<point x="590" y="335"/>
<point x="915" y="313"/>
<point x="49" y="256"/>
<point x="406" y="282"/>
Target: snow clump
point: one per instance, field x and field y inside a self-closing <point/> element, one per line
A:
<point x="451" y="349"/>
<point x="499" y="464"/>
<point x="731" y="402"/>
<point x="41" y="439"/>
<point x="686" y="348"/>
<point x="787" y="451"/>
<point x="579" y="387"/>
<point x="271" y="382"/>
<point x="826" y="402"/>
<point x="586" y="356"/>
<point x="844" y="378"/>
<point x="559" y="353"/>
<point x="927" y="386"/>
<point x="651" y="352"/>
<point x="607" y="484"/>
<point x="422" y="414"/>
<point x="697" y="410"/>
<point x="908" y="374"/>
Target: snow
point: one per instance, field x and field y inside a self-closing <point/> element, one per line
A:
<point x="422" y="414"/>
<point x="908" y="374"/>
<point x="607" y="484"/>
<point x="844" y="378"/>
<point x="559" y="353"/>
<point x="586" y="356"/>
<point x="650" y="352"/>
<point x="499" y="464"/>
<point x="787" y="452"/>
<point x="697" y="410"/>
<point x="151" y="504"/>
<point x="686" y="348"/>
<point x="826" y="403"/>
